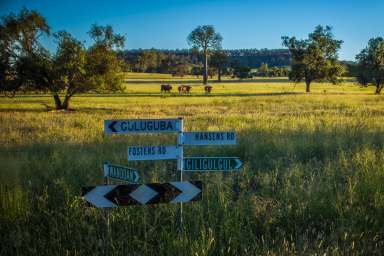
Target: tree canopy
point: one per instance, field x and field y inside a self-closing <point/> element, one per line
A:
<point x="219" y="60"/>
<point x="371" y="64"/>
<point x="72" y="69"/>
<point x="63" y="72"/>
<point x="105" y="36"/>
<point x="315" y="58"/>
<point x="103" y="65"/>
<point x="19" y="34"/>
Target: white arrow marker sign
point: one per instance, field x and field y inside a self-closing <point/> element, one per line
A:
<point x="97" y="199"/>
<point x="153" y="152"/>
<point x="209" y="138"/>
<point x="111" y="196"/>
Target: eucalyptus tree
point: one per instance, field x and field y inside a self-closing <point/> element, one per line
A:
<point x="315" y="58"/>
<point x="19" y="35"/>
<point x="219" y="60"/>
<point x="205" y="39"/>
<point x="61" y="74"/>
<point x="371" y="64"/>
<point x="71" y="70"/>
<point x="103" y="65"/>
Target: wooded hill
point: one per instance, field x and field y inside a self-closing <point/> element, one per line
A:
<point x="138" y="59"/>
<point x="253" y="58"/>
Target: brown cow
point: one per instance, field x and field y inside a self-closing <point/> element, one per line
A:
<point x="184" y="89"/>
<point x="207" y="89"/>
<point x="166" y="88"/>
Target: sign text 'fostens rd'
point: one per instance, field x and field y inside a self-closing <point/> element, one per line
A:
<point x="212" y="164"/>
<point x="209" y="138"/>
<point x="153" y="152"/>
<point x="141" y="126"/>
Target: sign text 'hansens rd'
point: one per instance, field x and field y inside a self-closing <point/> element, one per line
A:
<point x="209" y="138"/>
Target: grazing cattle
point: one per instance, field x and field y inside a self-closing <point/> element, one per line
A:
<point x="207" y="89"/>
<point x="184" y="89"/>
<point x="166" y="88"/>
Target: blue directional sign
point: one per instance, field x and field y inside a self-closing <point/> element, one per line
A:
<point x="209" y="138"/>
<point x="153" y="152"/>
<point x="194" y="164"/>
<point x="121" y="173"/>
<point x="141" y="126"/>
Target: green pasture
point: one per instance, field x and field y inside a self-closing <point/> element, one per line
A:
<point x="312" y="182"/>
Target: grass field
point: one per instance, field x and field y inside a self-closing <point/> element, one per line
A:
<point x="312" y="181"/>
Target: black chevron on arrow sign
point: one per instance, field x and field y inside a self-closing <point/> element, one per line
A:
<point x="163" y="193"/>
<point x="112" y="126"/>
<point x="110" y="196"/>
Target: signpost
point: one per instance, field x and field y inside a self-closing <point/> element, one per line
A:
<point x="141" y="126"/>
<point x="112" y="196"/>
<point x="153" y="152"/>
<point x="209" y="138"/>
<point x="180" y="168"/>
<point x="119" y="172"/>
<point x="212" y="164"/>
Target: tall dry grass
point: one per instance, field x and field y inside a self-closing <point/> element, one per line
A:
<point x="312" y="181"/>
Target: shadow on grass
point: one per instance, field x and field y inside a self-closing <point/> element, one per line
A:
<point x="253" y="145"/>
<point x="43" y="108"/>
<point x="191" y="94"/>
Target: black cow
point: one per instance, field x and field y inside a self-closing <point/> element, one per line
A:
<point x="166" y="88"/>
<point x="207" y="89"/>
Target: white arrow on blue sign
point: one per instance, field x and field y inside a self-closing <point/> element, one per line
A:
<point x="209" y="138"/>
<point x="194" y="164"/>
<point x="153" y="152"/>
<point x="141" y="126"/>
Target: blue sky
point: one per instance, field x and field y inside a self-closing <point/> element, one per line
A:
<point x="242" y="23"/>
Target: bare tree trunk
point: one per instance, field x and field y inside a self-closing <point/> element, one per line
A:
<point x="219" y="74"/>
<point x="205" y="71"/>
<point x="307" y="85"/>
<point x="378" y="88"/>
<point x="58" y="105"/>
<point x="66" y="102"/>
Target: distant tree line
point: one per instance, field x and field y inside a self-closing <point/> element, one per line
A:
<point x="164" y="61"/>
<point x="254" y="58"/>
